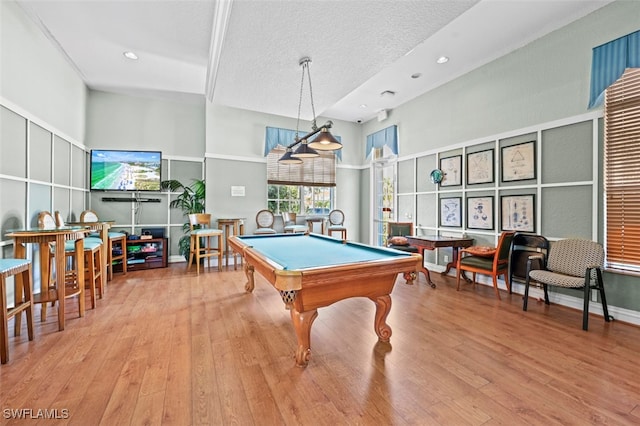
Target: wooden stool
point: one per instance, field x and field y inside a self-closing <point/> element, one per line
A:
<point x="21" y="269"/>
<point x="201" y="228"/>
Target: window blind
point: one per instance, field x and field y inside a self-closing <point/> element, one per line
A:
<point x="622" y="172"/>
<point x="318" y="171"/>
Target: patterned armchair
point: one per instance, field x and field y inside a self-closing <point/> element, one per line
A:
<point x="575" y="264"/>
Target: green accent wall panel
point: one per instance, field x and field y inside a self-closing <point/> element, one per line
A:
<point x="405" y="208"/>
<point x="78" y="168"/>
<point x="12" y="205"/>
<point x="567" y="212"/>
<point x="61" y="161"/>
<point x="567" y="153"/>
<point x="39" y="200"/>
<point x="406" y="176"/>
<point x="39" y="153"/>
<point x="13" y="136"/>
<point x="61" y="202"/>
<point x="424" y="166"/>
<point x="427" y="210"/>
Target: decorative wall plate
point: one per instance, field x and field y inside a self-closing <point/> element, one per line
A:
<point x="436" y="176"/>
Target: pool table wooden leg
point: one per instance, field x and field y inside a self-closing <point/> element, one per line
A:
<point x="302" y="324"/>
<point x="250" y="284"/>
<point x="383" y="307"/>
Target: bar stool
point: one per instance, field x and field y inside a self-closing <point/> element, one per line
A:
<point x="72" y="279"/>
<point x="21" y="270"/>
<point x="93" y="246"/>
<point x="119" y="239"/>
<point x="200" y="224"/>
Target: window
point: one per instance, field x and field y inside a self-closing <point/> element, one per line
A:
<point x="622" y="172"/>
<point x="308" y="200"/>
<point x="318" y="171"/>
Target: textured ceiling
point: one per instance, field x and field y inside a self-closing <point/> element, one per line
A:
<point x="245" y="53"/>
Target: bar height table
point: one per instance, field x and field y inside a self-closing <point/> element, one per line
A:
<point x="43" y="237"/>
<point x="229" y="227"/>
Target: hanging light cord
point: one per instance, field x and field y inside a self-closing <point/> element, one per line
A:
<point x="300" y="99"/>
<point x="314" y="126"/>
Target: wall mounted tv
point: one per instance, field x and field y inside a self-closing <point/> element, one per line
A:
<point x="113" y="170"/>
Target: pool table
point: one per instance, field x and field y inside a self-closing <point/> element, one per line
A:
<point x="311" y="271"/>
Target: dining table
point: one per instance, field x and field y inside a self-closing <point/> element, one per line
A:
<point x="49" y="292"/>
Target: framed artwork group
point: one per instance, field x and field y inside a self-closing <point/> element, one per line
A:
<point x="517" y="162"/>
<point x="517" y="212"/>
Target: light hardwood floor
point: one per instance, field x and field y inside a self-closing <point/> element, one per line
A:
<point x="167" y="347"/>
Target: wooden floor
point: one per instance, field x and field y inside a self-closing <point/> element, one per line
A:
<point x="167" y="347"/>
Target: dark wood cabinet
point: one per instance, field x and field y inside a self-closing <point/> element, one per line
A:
<point x="145" y="254"/>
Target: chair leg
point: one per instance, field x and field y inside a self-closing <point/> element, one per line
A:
<point x="4" y="331"/>
<point x="197" y="243"/>
<point x="603" y="298"/>
<point x="90" y="277"/>
<point x="585" y="308"/>
<point x="507" y="281"/>
<point x="220" y="252"/>
<point x="546" y="294"/>
<point x="27" y="291"/>
<point x="458" y="278"/>
<point x="495" y="286"/>
<point x="110" y="260"/>
<point x="525" y="300"/>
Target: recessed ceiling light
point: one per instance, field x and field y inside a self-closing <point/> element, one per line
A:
<point x="387" y="93"/>
<point x="416" y="75"/>
<point x="363" y="105"/>
<point x="442" y="60"/>
<point x="130" y="55"/>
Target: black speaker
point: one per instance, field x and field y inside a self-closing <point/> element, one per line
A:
<point x="154" y="232"/>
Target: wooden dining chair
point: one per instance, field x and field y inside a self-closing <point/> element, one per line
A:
<point x="290" y="225"/>
<point x="487" y="261"/>
<point x="336" y="224"/>
<point x="265" y="220"/>
<point x="201" y="233"/>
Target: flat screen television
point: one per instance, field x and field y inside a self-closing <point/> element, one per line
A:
<point x="113" y="170"/>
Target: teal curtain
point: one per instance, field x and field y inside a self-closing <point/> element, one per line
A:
<point x="387" y="136"/>
<point x="609" y="62"/>
<point x="284" y="137"/>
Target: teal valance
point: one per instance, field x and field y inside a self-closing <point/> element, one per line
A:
<point x="609" y="62"/>
<point x="387" y="136"/>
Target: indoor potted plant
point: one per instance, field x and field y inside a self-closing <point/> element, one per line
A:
<point x="190" y="199"/>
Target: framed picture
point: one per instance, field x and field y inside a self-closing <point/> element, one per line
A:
<point x="518" y="212"/>
<point x="452" y="171"/>
<point x="480" y="167"/>
<point x="519" y="162"/>
<point x="451" y="211"/>
<point x="480" y="212"/>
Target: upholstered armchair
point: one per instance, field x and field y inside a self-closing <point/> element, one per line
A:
<point x="573" y="264"/>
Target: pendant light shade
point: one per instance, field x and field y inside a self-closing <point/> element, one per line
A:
<point x="305" y="151"/>
<point x="325" y="141"/>
<point x="287" y="158"/>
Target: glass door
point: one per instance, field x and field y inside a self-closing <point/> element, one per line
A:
<point x="384" y="184"/>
